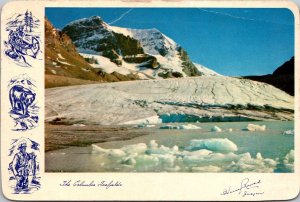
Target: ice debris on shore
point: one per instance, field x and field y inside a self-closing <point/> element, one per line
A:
<point x="205" y="155"/>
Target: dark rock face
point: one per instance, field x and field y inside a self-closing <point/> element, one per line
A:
<point x="92" y="34"/>
<point x="65" y="66"/>
<point x="282" y="77"/>
<point x="62" y="58"/>
<point x="288" y="68"/>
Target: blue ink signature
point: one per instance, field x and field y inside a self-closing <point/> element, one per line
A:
<point x="24" y="168"/>
<point x="246" y="188"/>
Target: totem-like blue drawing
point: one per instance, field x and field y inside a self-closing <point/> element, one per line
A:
<point x="23" y="42"/>
<point x="22" y="97"/>
<point x="24" y="167"/>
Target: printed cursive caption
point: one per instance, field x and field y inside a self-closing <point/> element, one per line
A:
<point x="246" y="188"/>
<point x="83" y="183"/>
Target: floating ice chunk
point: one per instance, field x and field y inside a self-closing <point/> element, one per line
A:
<point x="129" y="161"/>
<point x="153" y="144"/>
<point x="136" y="148"/>
<point x="167" y="160"/>
<point x="217" y="159"/>
<point x="110" y="152"/>
<point x="289" y="132"/>
<point x="212" y="169"/>
<point x="288" y="161"/>
<point x="214" y="144"/>
<point x="216" y="129"/>
<point x="169" y="127"/>
<point x="259" y="156"/>
<point x="189" y="127"/>
<point x="146" y="162"/>
<point x="201" y="152"/>
<point x="160" y="150"/>
<point x="247" y="164"/>
<point x="175" y="148"/>
<point x="253" y="127"/>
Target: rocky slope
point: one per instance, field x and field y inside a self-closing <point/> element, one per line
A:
<point x="65" y="66"/>
<point x="171" y="100"/>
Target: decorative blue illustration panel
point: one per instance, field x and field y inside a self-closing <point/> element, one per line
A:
<point x="24" y="166"/>
<point x="23" y="41"/>
<point x="22" y="97"/>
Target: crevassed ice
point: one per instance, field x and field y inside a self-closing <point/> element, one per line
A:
<point x="209" y="155"/>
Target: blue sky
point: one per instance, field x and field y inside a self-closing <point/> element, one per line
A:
<point x="233" y="42"/>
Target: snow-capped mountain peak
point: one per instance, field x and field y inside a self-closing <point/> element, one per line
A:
<point x="153" y="41"/>
<point x="148" y="50"/>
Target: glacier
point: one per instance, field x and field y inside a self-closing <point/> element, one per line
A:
<point x="202" y="99"/>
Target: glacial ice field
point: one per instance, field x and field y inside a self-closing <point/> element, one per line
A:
<point x="184" y="147"/>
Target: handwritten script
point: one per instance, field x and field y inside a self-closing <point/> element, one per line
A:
<point x="245" y="188"/>
<point x="93" y="183"/>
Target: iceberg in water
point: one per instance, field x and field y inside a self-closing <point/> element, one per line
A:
<point x="214" y="144"/>
<point x="216" y="129"/>
<point x="289" y="161"/>
<point x="189" y="127"/>
<point x="289" y="132"/>
<point x="253" y="127"/>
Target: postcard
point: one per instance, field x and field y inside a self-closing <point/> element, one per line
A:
<point x="150" y="100"/>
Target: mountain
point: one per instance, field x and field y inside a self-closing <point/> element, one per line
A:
<point x="65" y="66"/>
<point x="282" y="77"/>
<point x="146" y="52"/>
<point x="191" y="99"/>
<point x="288" y="68"/>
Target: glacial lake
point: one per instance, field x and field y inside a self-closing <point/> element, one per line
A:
<point x="234" y="149"/>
